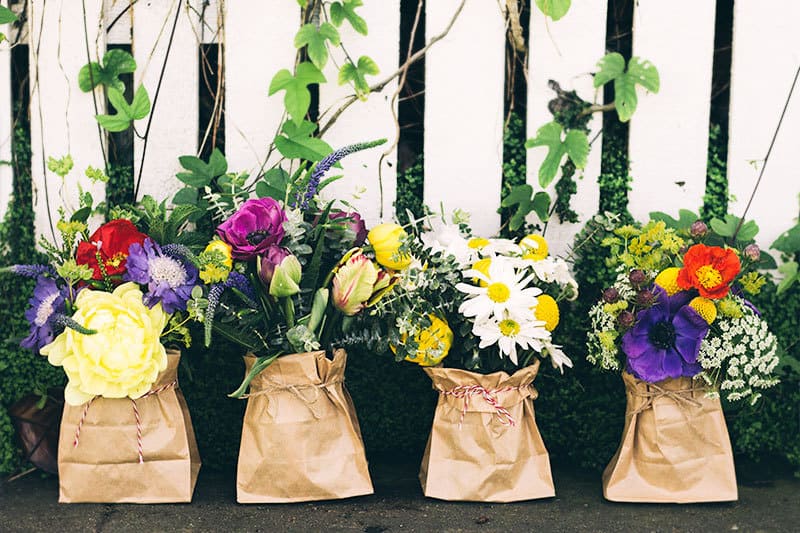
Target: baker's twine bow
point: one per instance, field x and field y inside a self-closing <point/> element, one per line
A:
<point x="139" y="448"/>
<point x="682" y="397"/>
<point x="296" y="390"/>
<point x="489" y="396"/>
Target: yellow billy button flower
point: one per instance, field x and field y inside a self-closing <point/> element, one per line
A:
<point x="705" y="308"/>
<point x="667" y="279"/>
<point x="434" y="343"/>
<point x="534" y="247"/>
<point x="386" y="240"/>
<point x="124" y="356"/>
<point x="215" y="262"/>
<point x="547" y="311"/>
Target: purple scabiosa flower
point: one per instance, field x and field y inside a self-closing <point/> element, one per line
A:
<point x="666" y="338"/>
<point x="47" y="304"/>
<point x="323" y="166"/>
<point x="168" y="279"/>
<point x="257" y="225"/>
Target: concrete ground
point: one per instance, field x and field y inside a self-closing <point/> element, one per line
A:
<point x="30" y="504"/>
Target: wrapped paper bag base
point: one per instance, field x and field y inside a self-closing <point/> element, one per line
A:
<point x="675" y="447"/>
<point x="301" y="440"/>
<point x="105" y="467"/>
<point x="488" y="449"/>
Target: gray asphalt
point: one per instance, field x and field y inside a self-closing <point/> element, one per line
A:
<point x="30" y="504"/>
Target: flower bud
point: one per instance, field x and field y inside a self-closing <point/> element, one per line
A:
<point x="610" y="295"/>
<point x="698" y="229"/>
<point x="752" y="252"/>
<point x="637" y="277"/>
<point x="355" y="223"/>
<point x="626" y="319"/>
<point x="353" y="284"/>
<point x="273" y="257"/>
<point x="286" y="278"/>
<point x="645" y="298"/>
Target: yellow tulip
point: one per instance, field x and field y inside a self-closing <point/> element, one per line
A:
<point x="386" y="240"/>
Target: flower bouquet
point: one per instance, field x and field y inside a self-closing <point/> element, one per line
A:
<point x="479" y="314"/>
<point x="285" y="277"/>
<point x="104" y="308"/>
<point x="678" y="325"/>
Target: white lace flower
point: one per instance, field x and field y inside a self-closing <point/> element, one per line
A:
<point x="503" y="290"/>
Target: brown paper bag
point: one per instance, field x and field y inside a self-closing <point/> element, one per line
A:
<point x="675" y="446"/>
<point x="104" y="458"/>
<point x="484" y="444"/>
<point x="301" y="440"/>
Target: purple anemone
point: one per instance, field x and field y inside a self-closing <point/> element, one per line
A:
<point x="47" y="303"/>
<point x="666" y="338"/>
<point x="168" y="279"/>
<point x="257" y="225"/>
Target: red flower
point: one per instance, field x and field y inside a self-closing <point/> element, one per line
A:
<point x="109" y="244"/>
<point x="709" y="269"/>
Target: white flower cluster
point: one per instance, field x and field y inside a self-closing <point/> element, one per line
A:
<point x="741" y="354"/>
<point x="601" y="339"/>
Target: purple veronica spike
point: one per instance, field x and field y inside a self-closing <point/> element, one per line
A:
<point x="47" y="303"/>
<point x="323" y="166"/>
<point x="32" y="271"/>
<point x="169" y="280"/>
<point x="665" y="340"/>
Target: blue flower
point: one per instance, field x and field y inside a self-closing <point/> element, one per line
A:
<point x="47" y="303"/>
<point x="169" y="280"/>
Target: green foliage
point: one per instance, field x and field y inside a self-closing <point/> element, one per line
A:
<point x="615" y="178"/>
<point x="126" y="113"/>
<point x="297" y="141"/>
<point x="715" y="200"/>
<point x="6" y="16"/>
<point x="566" y="188"/>
<point x="357" y="74"/>
<point x="347" y="10"/>
<point x="527" y="202"/>
<point x="297" y="97"/>
<point x="315" y="39"/>
<point x="575" y="145"/>
<point x="555" y="9"/>
<point x="115" y="62"/>
<point x="638" y="72"/>
<point x="409" y="192"/>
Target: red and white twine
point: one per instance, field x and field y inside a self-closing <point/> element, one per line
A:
<point x="139" y="447"/>
<point x="489" y="396"/>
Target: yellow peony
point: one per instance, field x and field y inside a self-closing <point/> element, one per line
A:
<point x="124" y="356"/>
<point x="534" y="247"/>
<point x="705" y="308"/>
<point x="667" y="279"/>
<point x="547" y="310"/>
<point x="386" y="240"/>
<point x="434" y="343"/>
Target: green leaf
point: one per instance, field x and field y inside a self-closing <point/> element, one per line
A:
<point x="346" y="10"/>
<point x="747" y="232"/>
<point x="296" y="142"/>
<point x="201" y="174"/>
<point x="297" y="97"/>
<point x="789" y="241"/>
<point x="639" y="72"/>
<point x="357" y="74"/>
<point x="685" y="221"/>
<point x="789" y="271"/>
<point x="217" y="164"/>
<point x="318" y="308"/>
<point x="115" y="62"/>
<point x="725" y="228"/>
<point x="81" y="215"/>
<point x="766" y="261"/>
<point x="541" y="205"/>
<point x="576" y="144"/>
<point x="140" y="106"/>
<point x="126" y="113"/>
<point x="555" y="9"/>
<point x="260" y="364"/>
<point x="113" y="123"/>
<point x="549" y="135"/>
<point x="315" y="40"/>
<point x="522" y="196"/>
<point x="6" y="15"/>
<point x="274" y="184"/>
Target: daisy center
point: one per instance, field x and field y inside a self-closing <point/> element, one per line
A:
<point x="477" y="243"/>
<point x="708" y="276"/>
<point x="167" y="270"/>
<point x="509" y="328"/>
<point x="662" y="335"/>
<point x="498" y="292"/>
<point x="45" y="309"/>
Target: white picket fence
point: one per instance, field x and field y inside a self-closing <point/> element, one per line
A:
<point x="464" y="99"/>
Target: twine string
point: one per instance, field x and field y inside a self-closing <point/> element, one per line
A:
<point x="466" y="392"/>
<point x="682" y="397"/>
<point x="297" y="391"/>
<point x="137" y="416"/>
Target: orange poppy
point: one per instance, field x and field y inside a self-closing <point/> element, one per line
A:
<point x="709" y="269"/>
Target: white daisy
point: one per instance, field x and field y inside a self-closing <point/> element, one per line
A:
<point x="508" y="333"/>
<point x="557" y="356"/>
<point x="448" y="239"/>
<point x="503" y="290"/>
<point x="490" y="247"/>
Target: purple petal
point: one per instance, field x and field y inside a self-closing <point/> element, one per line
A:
<point x="672" y="365"/>
<point x="648" y="367"/>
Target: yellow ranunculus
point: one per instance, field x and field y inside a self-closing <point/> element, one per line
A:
<point x="386" y="240"/>
<point x="434" y="343"/>
<point x="124" y="356"/>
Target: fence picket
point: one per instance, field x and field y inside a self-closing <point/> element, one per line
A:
<point x="464" y="111"/>
<point x="6" y="131"/>
<point x="764" y="37"/>
<point x="557" y="54"/>
<point x="174" y="127"/>
<point x="252" y="57"/>
<point x="118" y="16"/>
<point x="668" y="144"/>
<point x="61" y="115"/>
<point x="375" y="191"/>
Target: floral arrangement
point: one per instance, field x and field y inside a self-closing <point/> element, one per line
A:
<point x="679" y="307"/>
<point x="474" y="303"/>
<point x="106" y="303"/>
<point x="287" y="273"/>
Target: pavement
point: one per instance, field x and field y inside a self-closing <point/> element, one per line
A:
<point x="30" y="504"/>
